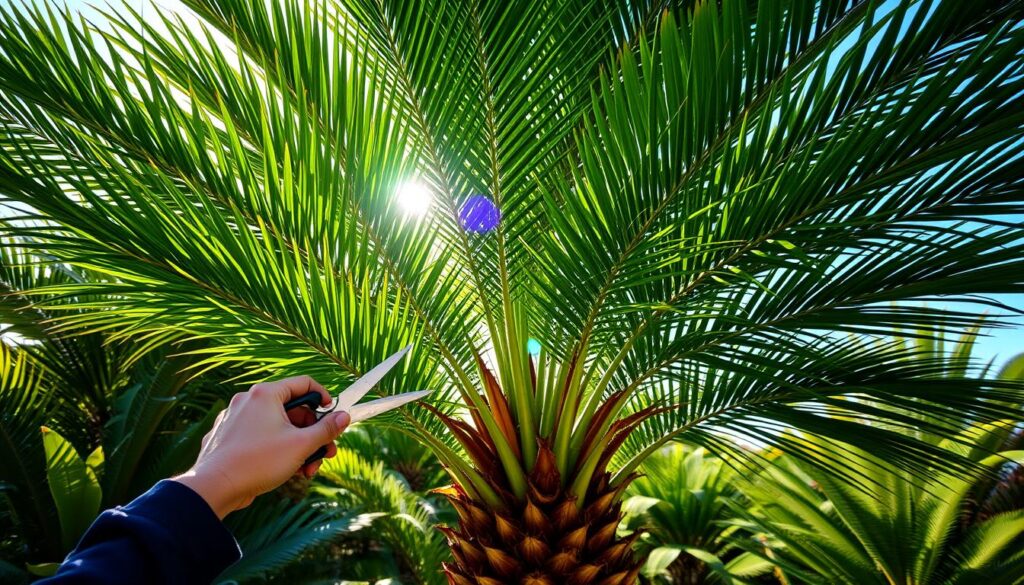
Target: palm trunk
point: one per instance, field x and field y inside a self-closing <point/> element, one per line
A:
<point x="547" y="539"/>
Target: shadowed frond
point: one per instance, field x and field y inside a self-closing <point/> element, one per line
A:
<point x="274" y="533"/>
<point x="24" y="409"/>
<point x="403" y="520"/>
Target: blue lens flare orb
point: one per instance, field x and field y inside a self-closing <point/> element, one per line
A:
<point x="479" y="214"/>
<point x="533" y="346"/>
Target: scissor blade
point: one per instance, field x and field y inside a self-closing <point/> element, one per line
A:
<point x="360" y="387"/>
<point x="381" y="405"/>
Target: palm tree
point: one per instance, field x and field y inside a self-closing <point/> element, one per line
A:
<point x="896" y="529"/>
<point x="685" y="206"/>
<point x="684" y="504"/>
<point x="1003" y="492"/>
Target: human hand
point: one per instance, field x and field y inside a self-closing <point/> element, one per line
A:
<point x="255" y="445"/>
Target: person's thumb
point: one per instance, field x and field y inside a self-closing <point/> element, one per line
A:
<point x="327" y="428"/>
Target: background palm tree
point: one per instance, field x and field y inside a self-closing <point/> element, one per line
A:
<point x="798" y="524"/>
<point x="696" y="200"/>
<point x="897" y="527"/>
<point x="685" y="505"/>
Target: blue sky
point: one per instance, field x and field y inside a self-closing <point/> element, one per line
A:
<point x="998" y="345"/>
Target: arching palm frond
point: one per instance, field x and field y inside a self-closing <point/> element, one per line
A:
<point x="404" y="522"/>
<point x="275" y="533"/>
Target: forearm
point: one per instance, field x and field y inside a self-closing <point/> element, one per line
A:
<point x="169" y="534"/>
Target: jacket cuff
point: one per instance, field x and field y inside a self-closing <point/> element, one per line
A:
<point x="189" y="520"/>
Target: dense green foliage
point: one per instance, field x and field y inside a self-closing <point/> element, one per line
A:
<point x="686" y="505"/>
<point x="893" y="530"/>
<point x="714" y="216"/>
<point x="897" y="527"/>
<point x="370" y="516"/>
<point x="88" y="423"/>
<point x="97" y="422"/>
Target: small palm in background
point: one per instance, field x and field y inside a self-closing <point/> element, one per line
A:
<point x="684" y="506"/>
<point x="1003" y="492"/>
<point x="894" y="529"/>
<point x="404" y="543"/>
<point x="689" y="206"/>
<point x="895" y="526"/>
<point x="698" y="515"/>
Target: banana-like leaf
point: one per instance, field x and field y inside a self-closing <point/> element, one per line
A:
<point x="76" y="490"/>
<point x="659" y="560"/>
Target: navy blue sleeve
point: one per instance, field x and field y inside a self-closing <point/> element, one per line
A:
<point x="167" y="535"/>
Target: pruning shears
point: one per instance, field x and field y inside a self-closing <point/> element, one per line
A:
<point x="347" y="399"/>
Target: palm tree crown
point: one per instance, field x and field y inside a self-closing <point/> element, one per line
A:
<point x="696" y="205"/>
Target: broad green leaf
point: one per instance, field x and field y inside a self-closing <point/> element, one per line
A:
<point x="42" y="569"/>
<point x="637" y="505"/>
<point x="1014" y="369"/>
<point x="748" y="565"/>
<point x="660" y="559"/>
<point x="75" y="489"/>
<point x="95" y="461"/>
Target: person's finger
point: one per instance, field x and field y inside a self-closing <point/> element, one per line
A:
<point x="332" y="450"/>
<point x="301" y="417"/>
<point x="310" y="469"/>
<point x="326" y="429"/>
<point x="294" y="387"/>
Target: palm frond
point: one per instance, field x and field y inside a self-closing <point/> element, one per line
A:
<point x="897" y="530"/>
<point x="404" y="521"/>
<point x="786" y="227"/>
<point x="274" y="533"/>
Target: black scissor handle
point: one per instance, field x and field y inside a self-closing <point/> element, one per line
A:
<point x="311" y="400"/>
<point x="317" y="455"/>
